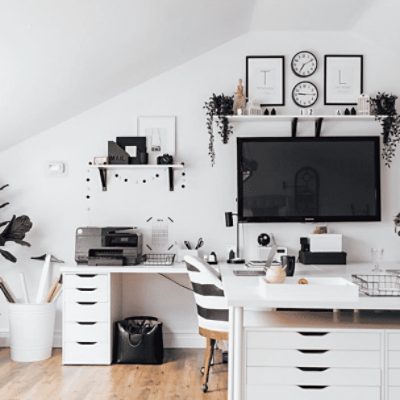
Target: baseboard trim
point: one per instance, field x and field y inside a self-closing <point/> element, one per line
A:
<point x="171" y="340"/>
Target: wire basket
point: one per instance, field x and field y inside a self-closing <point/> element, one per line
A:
<point x="378" y="285"/>
<point x="158" y="259"/>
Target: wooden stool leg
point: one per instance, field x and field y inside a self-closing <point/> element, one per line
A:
<point x="207" y="362"/>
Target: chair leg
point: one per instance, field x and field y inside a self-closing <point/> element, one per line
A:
<point x="209" y="353"/>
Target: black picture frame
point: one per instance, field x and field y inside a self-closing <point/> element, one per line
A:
<point x="327" y="94"/>
<point x="280" y="85"/>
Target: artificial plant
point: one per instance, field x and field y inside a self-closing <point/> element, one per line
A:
<point x="384" y="108"/>
<point x="218" y="108"/>
<point x="14" y="231"/>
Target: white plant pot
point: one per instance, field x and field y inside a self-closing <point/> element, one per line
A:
<point x="31" y="331"/>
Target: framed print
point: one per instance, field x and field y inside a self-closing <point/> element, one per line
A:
<point x="343" y="81"/>
<point x="160" y="134"/>
<point x="265" y="80"/>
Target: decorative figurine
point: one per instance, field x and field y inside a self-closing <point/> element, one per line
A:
<point x="239" y="102"/>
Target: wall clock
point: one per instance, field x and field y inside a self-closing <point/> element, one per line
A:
<point x="305" y="94"/>
<point x="304" y="64"/>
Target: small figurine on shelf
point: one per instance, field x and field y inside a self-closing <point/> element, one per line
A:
<point x="239" y="102"/>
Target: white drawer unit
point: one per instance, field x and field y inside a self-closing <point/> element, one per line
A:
<point x="393" y="393"/>
<point x="393" y="341"/>
<point x="313" y="376"/>
<point x="394" y="376"/>
<point x="273" y="392"/>
<point x="310" y="364"/>
<point x="86" y="352"/>
<point x="86" y="332"/>
<point x="91" y="281"/>
<point x="88" y="316"/>
<point x="393" y="359"/>
<point x="313" y="340"/>
<point x="86" y="311"/>
<point x="313" y="358"/>
<point x="100" y="294"/>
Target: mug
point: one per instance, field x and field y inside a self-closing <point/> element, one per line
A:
<point x="290" y="263"/>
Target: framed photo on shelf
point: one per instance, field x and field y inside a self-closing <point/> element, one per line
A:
<point x="343" y="79"/>
<point x="265" y="80"/>
<point x="160" y="135"/>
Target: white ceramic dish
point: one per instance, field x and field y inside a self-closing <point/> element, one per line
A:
<point x="339" y="289"/>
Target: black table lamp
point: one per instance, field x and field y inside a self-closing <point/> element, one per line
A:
<point x="229" y="223"/>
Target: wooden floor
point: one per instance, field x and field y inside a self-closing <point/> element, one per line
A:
<point x="178" y="378"/>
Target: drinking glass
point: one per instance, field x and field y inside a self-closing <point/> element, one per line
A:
<point x="376" y="257"/>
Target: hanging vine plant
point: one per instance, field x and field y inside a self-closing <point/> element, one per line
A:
<point x="218" y="107"/>
<point x="384" y="108"/>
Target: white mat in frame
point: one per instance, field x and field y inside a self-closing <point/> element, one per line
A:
<point x="160" y="134"/>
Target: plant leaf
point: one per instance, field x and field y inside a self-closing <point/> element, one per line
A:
<point x="8" y="256"/>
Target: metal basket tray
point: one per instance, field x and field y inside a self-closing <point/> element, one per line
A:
<point x="158" y="259"/>
<point x="378" y="285"/>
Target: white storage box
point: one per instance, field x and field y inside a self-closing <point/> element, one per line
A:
<point x="326" y="243"/>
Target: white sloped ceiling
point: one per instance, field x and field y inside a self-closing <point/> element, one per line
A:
<point x="59" y="58"/>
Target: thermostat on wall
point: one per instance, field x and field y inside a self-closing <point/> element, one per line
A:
<point x="56" y="168"/>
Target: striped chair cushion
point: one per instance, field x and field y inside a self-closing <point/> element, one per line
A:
<point x="212" y="309"/>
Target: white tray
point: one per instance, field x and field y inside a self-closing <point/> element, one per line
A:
<point x="338" y="289"/>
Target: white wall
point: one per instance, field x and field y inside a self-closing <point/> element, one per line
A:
<point x="58" y="205"/>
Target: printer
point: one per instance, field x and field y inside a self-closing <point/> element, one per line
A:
<point x="112" y="245"/>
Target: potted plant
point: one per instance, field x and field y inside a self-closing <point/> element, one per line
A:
<point x="14" y="231"/>
<point x="384" y="108"/>
<point x="218" y="107"/>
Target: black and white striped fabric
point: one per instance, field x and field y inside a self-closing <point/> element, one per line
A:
<point x="212" y="309"/>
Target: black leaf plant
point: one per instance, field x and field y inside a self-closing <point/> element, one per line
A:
<point x="384" y="108"/>
<point x="14" y="231"/>
<point x="218" y="107"/>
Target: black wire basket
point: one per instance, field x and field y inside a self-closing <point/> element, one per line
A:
<point x="378" y="285"/>
<point x="158" y="259"/>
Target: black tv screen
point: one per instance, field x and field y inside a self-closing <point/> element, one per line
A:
<point x="308" y="179"/>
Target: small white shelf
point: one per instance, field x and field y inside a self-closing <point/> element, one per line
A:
<point x="259" y="118"/>
<point x="138" y="166"/>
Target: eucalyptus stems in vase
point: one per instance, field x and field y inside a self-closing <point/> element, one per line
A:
<point x="218" y="107"/>
<point x="384" y="108"/>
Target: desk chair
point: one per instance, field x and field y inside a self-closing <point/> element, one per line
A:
<point x="212" y="310"/>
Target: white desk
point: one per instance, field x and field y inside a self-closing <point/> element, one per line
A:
<point x="242" y="293"/>
<point x="92" y="299"/>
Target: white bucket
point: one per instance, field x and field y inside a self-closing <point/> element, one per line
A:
<point x="31" y="331"/>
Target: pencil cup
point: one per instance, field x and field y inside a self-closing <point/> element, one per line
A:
<point x="31" y="331"/>
<point x="186" y="252"/>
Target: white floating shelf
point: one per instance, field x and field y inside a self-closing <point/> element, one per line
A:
<point x="259" y="118"/>
<point x="138" y="166"/>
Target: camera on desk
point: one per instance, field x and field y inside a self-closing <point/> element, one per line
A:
<point x="165" y="159"/>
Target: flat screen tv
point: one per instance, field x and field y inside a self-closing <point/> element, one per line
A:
<point x="308" y="179"/>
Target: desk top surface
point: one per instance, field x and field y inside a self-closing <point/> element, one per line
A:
<point x="177" y="268"/>
<point x="244" y="291"/>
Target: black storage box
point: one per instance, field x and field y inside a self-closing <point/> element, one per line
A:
<point x="308" y="257"/>
<point x="138" y="340"/>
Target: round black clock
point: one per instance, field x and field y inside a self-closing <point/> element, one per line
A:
<point x="305" y="94"/>
<point x="304" y="64"/>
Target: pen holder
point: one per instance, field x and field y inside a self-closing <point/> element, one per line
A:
<point x="31" y="331"/>
<point x="185" y="252"/>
